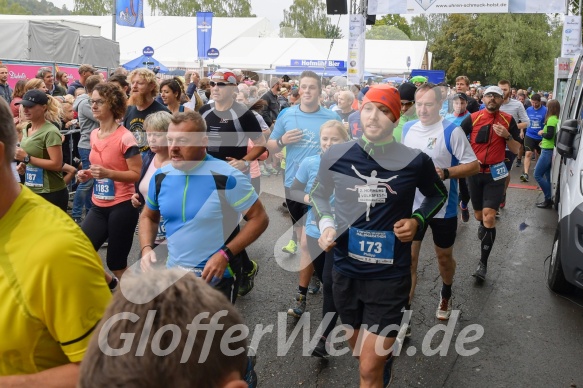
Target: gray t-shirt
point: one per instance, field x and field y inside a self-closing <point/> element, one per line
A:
<point x="87" y="122"/>
<point x="516" y="109"/>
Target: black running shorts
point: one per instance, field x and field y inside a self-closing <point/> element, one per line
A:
<point x="378" y="304"/>
<point x="296" y="209"/>
<point x="531" y="144"/>
<point x="443" y="230"/>
<point x="485" y="192"/>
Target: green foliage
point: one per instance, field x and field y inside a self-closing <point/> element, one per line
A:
<point x="518" y="47"/>
<point x="31" y="7"/>
<point x="397" y="21"/>
<point x="427" y="27"/>
<point x="384" y="32"/>
<point x="92" y="7"/>
<point x="308" y="18"/>
<point x="220" y="8"/>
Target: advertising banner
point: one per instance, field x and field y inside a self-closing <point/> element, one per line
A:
<point x="204" y="30"/>
<point x="129" y="13"/>
<point x="72" y="72"/>
<point x="17" y="72"/>
<point x="356" y="37"/>
<point x="571" y="43"/>
<point x="380" y="7"/>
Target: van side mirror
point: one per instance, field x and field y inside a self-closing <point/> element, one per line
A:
<point x="566" y="138"/>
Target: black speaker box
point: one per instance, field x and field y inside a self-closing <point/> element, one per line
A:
<point x="337" y="7"/>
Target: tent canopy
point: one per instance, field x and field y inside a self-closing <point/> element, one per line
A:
<point x="144" y="61"/>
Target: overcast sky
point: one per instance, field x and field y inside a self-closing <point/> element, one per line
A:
<point x="269" y="9"/>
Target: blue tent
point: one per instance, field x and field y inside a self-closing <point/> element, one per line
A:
<point x="144" y="61"/>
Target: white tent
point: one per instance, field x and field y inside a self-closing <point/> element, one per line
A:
<point x="247" y="43"/>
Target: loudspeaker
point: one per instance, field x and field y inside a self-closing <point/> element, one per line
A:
<point x="337" y="7"/>
<point x="371" y="20"/>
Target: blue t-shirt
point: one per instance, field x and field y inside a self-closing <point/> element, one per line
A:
<point x="201" y="208"/>
<point x="310" y="124"/>
<point x="537" y="121"/>
<point x="306" y="174"/>
<point x="457" y="120"/>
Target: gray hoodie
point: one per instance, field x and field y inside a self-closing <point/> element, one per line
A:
<point x="87" y="122"/>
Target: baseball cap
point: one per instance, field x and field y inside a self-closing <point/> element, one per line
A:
<point x="495" y="90"/>
<point x="386" y="95"/>
<point x="85" y="67"/>
<point x="461" y="96"/>
<point x="224" y="75"/>
<point x="34" y="97"/>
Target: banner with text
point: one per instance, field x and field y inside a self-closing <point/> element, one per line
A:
<point x="571" y="44"/>
<point x="204" y="30"/>
<point x="379" y="7"/>
<point x="17" y="72"/>
<point x="356" y="37"/>
<point x="129" y="13"/>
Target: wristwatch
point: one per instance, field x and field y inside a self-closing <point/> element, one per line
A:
<point x="246" y="163"/>
<point x="445" y="174"/>
<point x="509" y="137"/>
<point x="26" y="159"/>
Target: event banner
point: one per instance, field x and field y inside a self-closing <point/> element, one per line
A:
<point x="72" y="72"/>
<point x="379" y="7"/>
<point x="356" y="37"/>
<point x="204" y="30"/>
<point x="571" y="43"/>
<point x="17" y="72"/>
<point x="129" y="13"/>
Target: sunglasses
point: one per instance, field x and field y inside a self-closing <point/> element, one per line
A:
<point x="219" y="84"/>
<point x="492" y="95"/>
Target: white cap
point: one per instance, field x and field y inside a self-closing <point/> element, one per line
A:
<point x="494" y="89"/>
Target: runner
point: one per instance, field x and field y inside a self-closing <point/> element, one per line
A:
<point x="230" y="125"/>
<point x="53" y="292"/>
<point x="171" y="91"/>
<point x="537" y="114"/>
<point x="448" y="147"/>
<point x="40" y="149"/>
<point x="115" y="166"/>
<point x="297" y="129"/>
<point x="372" y="257"/>
<point x="490" y="131"/>
<point x="331" y="132"/>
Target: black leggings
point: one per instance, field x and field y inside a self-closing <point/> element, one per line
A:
<point x="464" y="192"/>
<point x="58" y="198"/>
<point x="116" y="223"/>
<point x="323" y="262"/>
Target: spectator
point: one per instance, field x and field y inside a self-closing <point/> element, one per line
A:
<point x="85" y="71"/>
<point x="17" y="97"/>
<point x="5" y="90"/>
<point x="46" y="75"/>
<point x="62" y="80"/>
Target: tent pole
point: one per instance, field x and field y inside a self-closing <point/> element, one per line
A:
<point x="114" y="6"/>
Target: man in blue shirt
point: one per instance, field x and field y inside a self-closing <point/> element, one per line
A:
<point x="201" y="199"/>
<point x="298" y="129"/>
<point x="536" y="113"/>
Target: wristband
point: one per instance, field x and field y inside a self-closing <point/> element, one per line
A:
<point x="280" y="143"/>
<point x="226" y="252"/>
<point x="445" y="174"/>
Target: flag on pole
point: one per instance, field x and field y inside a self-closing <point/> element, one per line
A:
<point x="129" y="13"/>
<point x="204" y="30"/>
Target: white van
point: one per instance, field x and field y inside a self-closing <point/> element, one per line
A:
<point x="566" y="262"/>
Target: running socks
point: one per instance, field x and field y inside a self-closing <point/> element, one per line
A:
<point x="303" y="290"/>
<point x="487" y="237"/>
<point x="446" y="291"/>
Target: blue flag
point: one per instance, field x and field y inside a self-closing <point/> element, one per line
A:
<point x="204" y="30"/>
<point x="129" y="13"/>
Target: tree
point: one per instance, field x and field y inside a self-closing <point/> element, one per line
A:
<point x="386" y="33"/>
<point x="220" y="8"/>
<point x="309" y="19"/>
<point x="9" y="8"/>
<point x="427" y="27"/>
<point x="397" y="21"/>
<point x="518" y="47"/>
<point x="92" y="7"/>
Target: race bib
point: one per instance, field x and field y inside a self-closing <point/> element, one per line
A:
<point x="104" y="189"/>
<point x="535" y="124"/>
<point x="34" y="176"/>
<point x="371" y="246"/>
<point x="161" y="235"/>
<point x="499" y="171"/>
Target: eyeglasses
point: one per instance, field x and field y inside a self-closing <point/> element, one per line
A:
<point x="492" y="95"/>
<point x="219" y="84"/>
<point x="407" y="103"/>
<point x="98" y="102"/>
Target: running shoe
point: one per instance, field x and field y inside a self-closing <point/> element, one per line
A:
<point x="444" y="308"/>
<point x="524" y="177"/>
<point x="497" y="213"/>
<point x="465" y="212"/>
<point x="291" y="247"/>
<point x="315" y="285"/>
<point x="518" y="162"/>
<point x="248" y="280"/>
<point x="480" y="273"/>
<point x="299" y="306"/>
<point x="264" y="172"/>
<point x="271" y="170"/>
<point x="388" y="371"/>
<point x="321" y="349"/>
<point x="251" y="376"/>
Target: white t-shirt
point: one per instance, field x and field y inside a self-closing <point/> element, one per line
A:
<point x="145" y="182"/>
<point x="431" y="140"/>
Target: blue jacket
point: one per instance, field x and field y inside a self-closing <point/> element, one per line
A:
<point x="6" y="92"/>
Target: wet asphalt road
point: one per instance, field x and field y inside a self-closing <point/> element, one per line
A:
<point x="532" y="337"/>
